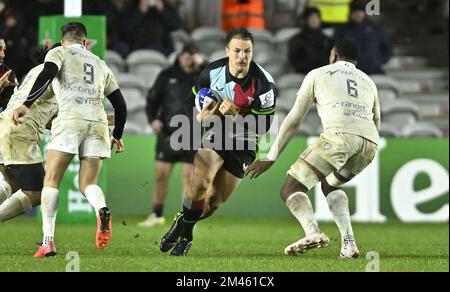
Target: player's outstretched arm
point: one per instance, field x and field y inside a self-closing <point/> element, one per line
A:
<point x="258" y="167"/>
<point x="288" y="129"/>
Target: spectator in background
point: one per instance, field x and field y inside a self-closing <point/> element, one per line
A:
<point x="333" y="12"/>
<point x="117" y="13"/>
<point x="243" y="13"/>
<point x="18" y="24"/>
<point x="150" y="25"/>
<point x="375" y="46"/>
<point x="12" y="28"/>
<point x="309" y="49"/>
<point x="165" y="100"/>
<point x="6" y="86"/>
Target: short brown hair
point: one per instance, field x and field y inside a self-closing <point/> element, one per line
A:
<point x="239" y="33"/>
<point x="74" y="31"/>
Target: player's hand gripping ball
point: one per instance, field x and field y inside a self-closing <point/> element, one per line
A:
<point x="204" y="95"/>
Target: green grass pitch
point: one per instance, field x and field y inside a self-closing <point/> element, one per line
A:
<point x="225" y="244"/>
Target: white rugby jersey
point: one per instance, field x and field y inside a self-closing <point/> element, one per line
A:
<point x="81" y="83"/>
<point x="41" y="111"/>
<point x="346" y="99"/>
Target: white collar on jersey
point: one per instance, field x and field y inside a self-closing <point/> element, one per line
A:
<point x="346" y="63"/>
<point x="76" y="45"/>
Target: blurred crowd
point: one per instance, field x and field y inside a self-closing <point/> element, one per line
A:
<point x="131" y="25"/>
<point x="147" y="24"/>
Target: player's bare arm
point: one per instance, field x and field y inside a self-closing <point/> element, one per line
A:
<point x="287" y="130"/>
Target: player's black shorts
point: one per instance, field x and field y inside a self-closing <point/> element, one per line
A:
<point x="29" y="177"/>
<point x="236" y="161"/>
<point x="165" y="153"/>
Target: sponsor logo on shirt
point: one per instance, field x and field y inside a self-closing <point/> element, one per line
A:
<point x="267" y="99"/>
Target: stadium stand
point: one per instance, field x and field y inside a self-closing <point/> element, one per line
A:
<point x="421" y="129"/>
<point x="179" y="38"/>
<point x="114" y="61"/>
<point x="389" y="130"/>
<point x="146" y="64"/>
<point x="208" y="39"/>
<point x="218" y="54"/>
<point x="264" y="40"/>
<point x="399" y="112"/>
<point x="282" y="37"/>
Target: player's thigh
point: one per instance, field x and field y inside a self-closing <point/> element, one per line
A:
<point x="89" y="171"/>
<point x="56" y="165"/>
<point x="303" y="176"/>
<point x="223" y="186"/>
<point x="354" y="165"/>
<point x="329" y="152"/>
<point x="362" y="158"/>
<point x="66" y="136"/>
<point x="29" y="177"/>
<point x="95" y="141"/>
<point x="19" y="144"/>
<point x="292" y="185"/>
<point x="205" y="167"/>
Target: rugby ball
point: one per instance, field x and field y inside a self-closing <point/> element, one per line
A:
<point x="203" y="96"/>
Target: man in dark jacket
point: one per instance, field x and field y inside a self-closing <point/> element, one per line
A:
<point x="8" y="78"/>
<point x="309" y="49"/>
<point x="375" y="46"/>
<point x="165" y="100"/>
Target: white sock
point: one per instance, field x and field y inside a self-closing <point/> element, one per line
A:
<point x="95" y="196"/>
<point x="302" y="209"/>
<point x="5" y="191"/>
<point x="49" y="209"/>
<point x="15" y="205"/>
<point x="338" y="204"/>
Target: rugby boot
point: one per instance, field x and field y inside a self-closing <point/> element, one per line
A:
<point x="104" y="228"/>
<point x="314" y="240"/>
<point x="170" y="239"/>
<point x="46" y="251"/>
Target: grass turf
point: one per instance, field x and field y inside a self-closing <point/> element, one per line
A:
<point x="224" y="244"/>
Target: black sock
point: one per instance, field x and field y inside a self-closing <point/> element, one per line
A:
<point x="190" y="217"/>
<point x="158" y="209"/>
